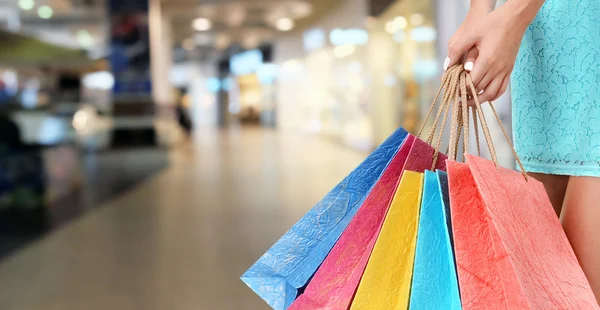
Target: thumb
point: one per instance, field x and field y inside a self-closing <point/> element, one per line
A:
<point x="472" y="55"/>
<point x="457" y="48"/>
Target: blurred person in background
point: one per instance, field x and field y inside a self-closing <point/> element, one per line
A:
<point x="10" y="134"/>
<point x="181" y="109"/>
<point x="552" y="50"/>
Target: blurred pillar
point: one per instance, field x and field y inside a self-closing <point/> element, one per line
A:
<point x="381" y="63"/>
<point x="449" y="15"/>
<point x="161" y="46"/>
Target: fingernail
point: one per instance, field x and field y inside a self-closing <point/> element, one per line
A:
<point x="446" y="63"/>
<point x="469" y="66"/>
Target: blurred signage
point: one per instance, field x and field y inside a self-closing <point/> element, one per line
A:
<point x="246" y="62"/>
<point x="267" y="73"/>
<point x="314" y="39"/>
<point x="354" y="36"/>
<point x="377" y="7"/>
<point x="130" y="47"/>
<point x="423" y="34"/>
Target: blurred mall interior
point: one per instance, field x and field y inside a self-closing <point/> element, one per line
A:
<point x="152" y="150"/>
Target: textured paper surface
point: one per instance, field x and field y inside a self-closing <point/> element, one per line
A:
<point x="435" y="283"/>
<point x="533" y="239"/>
<point x="291" y="262"/>
<point x="336" y="281"/>
<point x="481" y="262"/>
<point x="387" y="279"/>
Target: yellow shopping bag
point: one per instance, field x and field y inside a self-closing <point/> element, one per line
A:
<point x="387" y="279"/>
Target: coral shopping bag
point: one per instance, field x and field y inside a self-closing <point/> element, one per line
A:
<point x="511" y="250"/>
<point x="286" y="268"/>
<point x="336" y="281"/>
<point x="434" y="282"/>
<point x="387" y="278"/>
<point x="510" y="247"/>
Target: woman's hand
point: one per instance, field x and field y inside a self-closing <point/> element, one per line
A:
<point x="491" y="43"/>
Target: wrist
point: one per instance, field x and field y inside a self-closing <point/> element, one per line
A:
<point x="522" y="12"/>
<point x="482" y="6"/>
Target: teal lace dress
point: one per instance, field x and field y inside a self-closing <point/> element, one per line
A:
<point x="555" y="90"/>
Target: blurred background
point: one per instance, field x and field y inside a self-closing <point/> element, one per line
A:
<point x="152" y="150"/>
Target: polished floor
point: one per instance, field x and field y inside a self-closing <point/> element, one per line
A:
<point x="181" y="239"/>
<point x="103" y="176"/>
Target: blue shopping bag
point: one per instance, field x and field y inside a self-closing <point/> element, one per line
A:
<point x="435" y="283"/>
<point x="285" y="269"/>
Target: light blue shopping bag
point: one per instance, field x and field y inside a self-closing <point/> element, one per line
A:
<point x="435" y="283"/>
<point x="285" y="269"/>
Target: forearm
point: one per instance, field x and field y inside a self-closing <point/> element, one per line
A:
<point x="483" y="6"/>
<point x="524" y="10"/>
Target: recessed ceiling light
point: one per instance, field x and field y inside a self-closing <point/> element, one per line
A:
<point x="202" y="24"/>
<point x="400" y="22"/>
<point x="26" y="4"/>
<point x="45" y="12"/>
<point x="284" y="24"/>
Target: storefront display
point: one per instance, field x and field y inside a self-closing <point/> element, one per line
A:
<point x="360" y="79"/>
<point x="410" y="25"/>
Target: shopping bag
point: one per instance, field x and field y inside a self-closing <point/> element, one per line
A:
<point x="547" y="269"/>
<point x="479" y="264"/>
<point x="387" y="279"/>
<point x="434" y="283"/>
<point x="288" y="265"/>
<point x="511" y="250"/>
<point x="336" y="281"/>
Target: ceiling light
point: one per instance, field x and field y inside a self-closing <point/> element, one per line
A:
<point x="416" y="19"/>
<point x="400" y="22"/>
<point x="26" y="4"/>
<point x="389" y="27"/>
<point x="284" y="24"/>
<point x="45" y="12"/>
<point x="202" y="24"/>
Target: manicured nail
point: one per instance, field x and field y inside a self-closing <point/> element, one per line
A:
<point x="469" y="66"/>
<point x="446" y="63"/>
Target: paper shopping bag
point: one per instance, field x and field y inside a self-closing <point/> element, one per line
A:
<point x="291" y="262"/>
<point x="531" y="234"/>
<point x="480" y="257"/>
<point x="434" y="282"/>
<point x="511" y="251"/>
<point x="387" y="279"/>
<point x="336" y="281"/>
